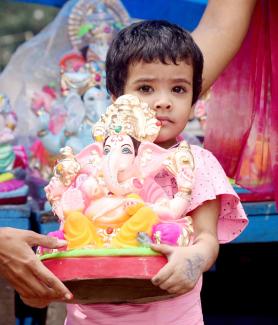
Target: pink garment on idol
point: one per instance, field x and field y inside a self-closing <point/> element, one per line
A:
<point x="242" y="122"/>
<point x="186" y="309"/>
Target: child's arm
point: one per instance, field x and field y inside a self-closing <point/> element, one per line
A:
<point x="186" y="264"/>
<point x="220" y="33"/>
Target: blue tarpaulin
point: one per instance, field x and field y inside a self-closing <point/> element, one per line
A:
<point x="186" y="13"/>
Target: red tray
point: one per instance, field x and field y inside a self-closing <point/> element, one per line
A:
<point x="110" y="279"/>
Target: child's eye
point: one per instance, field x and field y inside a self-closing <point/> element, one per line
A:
<point x="178" y="89"/>
<point x="145" y="89"/>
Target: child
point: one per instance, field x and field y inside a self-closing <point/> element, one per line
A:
<point x="160" y="63"/>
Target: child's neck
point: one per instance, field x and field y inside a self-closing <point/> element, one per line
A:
<point x="169" y="143"/>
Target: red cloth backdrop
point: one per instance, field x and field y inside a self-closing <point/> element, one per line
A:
<point x="242" y="125"/>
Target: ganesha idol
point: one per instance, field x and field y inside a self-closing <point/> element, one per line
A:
<point x="13" y="158"/>
<point x="107" y="197"/>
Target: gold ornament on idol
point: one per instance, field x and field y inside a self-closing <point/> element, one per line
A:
<point x="67" y="167"/>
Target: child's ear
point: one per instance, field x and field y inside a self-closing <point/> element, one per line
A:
<point x="113" y="97"/>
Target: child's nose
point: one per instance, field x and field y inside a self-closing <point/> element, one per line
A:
<point x="163" y="103"/>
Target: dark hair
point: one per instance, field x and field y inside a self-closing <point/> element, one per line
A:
<point x="149" y="41"/>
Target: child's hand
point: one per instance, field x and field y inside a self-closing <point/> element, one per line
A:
<point x="182" y="271"/>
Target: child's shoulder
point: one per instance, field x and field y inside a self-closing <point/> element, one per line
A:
<point x="206" y="163"/>
<point x="201" y="153"/>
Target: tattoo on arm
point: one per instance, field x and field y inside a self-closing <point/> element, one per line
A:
<point x="193" y="267"/>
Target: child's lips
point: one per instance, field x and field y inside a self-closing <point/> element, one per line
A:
<point x="164" y="120"/>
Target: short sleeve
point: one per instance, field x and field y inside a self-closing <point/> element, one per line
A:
<point x="211" y="181"/>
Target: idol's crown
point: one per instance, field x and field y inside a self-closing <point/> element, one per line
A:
<point x="128" y="115"/>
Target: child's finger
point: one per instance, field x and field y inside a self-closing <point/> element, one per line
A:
<point x="164" y="274"/>
<point x="162" y="248"/>
<point x="173" y="281"/>
<point x="177" y="290"/>
<point x="168" y="284"/>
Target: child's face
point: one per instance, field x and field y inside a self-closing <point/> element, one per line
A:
<point x="167" y="88"/>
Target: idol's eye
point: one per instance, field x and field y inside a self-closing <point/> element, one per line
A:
<point x="145" y="89"/>
<point x="126" y="150"/>
<point x="106" y="150"/>
<point x="178" y="90"/>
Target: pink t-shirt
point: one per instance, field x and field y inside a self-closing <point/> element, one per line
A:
<point x="210" y="181"/>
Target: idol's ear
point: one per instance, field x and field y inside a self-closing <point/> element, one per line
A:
<point x="149" y="160"/>
<point x="90" y="155"/>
